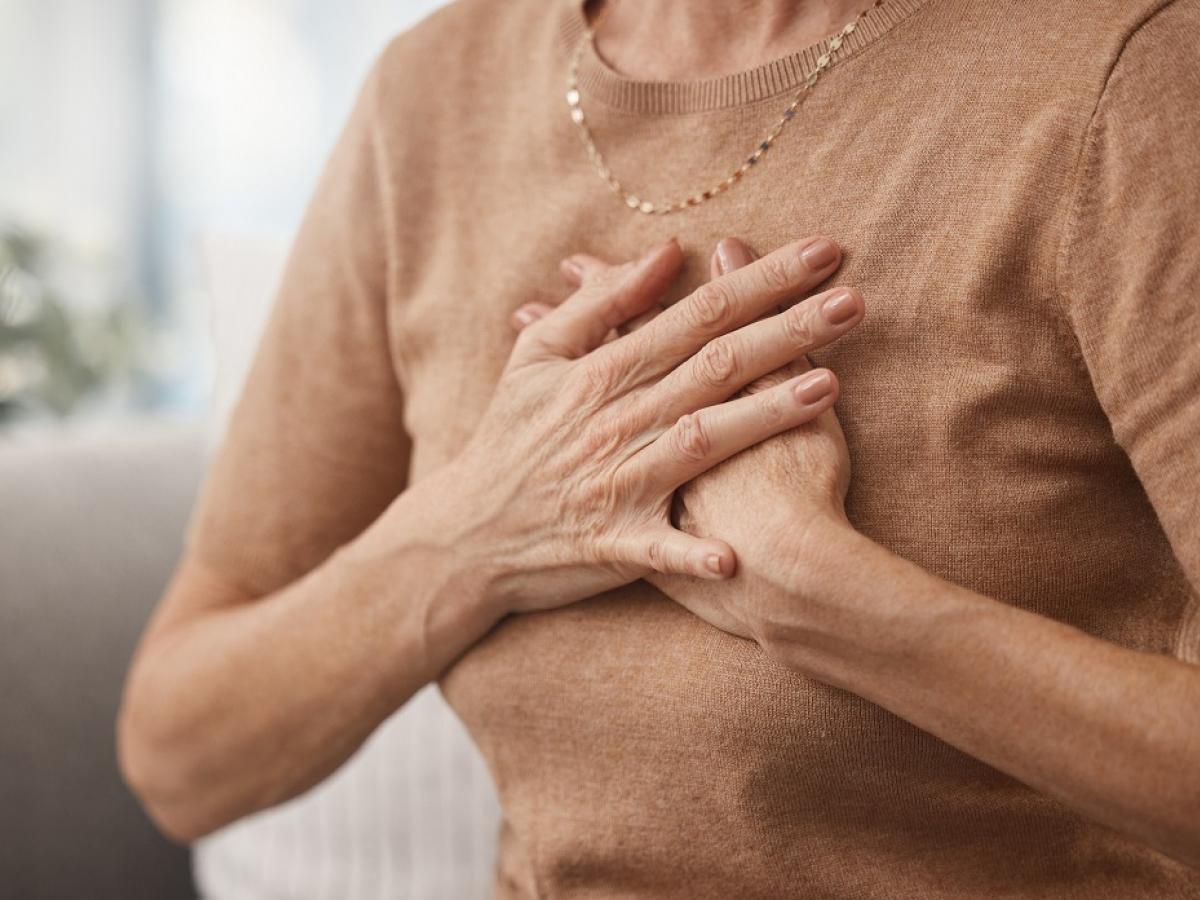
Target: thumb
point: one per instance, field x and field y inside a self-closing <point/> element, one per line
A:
<point x="670" y="551"/>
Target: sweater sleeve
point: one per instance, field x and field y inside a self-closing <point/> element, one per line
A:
<point x="315" y="448"/>
<point x="1129" y="268"/>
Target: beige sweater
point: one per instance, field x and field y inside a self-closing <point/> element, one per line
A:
<point x="1017" y="186"/>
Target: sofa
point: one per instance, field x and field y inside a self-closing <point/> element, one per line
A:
<point x="90" y="525"/>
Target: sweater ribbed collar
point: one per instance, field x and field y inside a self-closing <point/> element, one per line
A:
<point x="600" y="82"/>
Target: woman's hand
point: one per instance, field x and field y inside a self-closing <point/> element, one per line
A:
<point x="764" y="498"/>
<point x="768" y="501"/>
<point x="566" y="486"/>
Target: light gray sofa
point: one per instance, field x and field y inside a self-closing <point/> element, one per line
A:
<point x="90" y="526"/>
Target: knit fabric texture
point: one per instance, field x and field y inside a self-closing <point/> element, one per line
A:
<point x="1017" y="189"/>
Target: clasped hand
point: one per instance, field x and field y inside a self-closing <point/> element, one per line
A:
<point x="619" y="437"/>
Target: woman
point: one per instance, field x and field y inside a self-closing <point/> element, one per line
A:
<point x="699" y="658"/>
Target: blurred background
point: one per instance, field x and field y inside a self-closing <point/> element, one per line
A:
<point x="155" y="158"/>
<point x="153" y="153"/>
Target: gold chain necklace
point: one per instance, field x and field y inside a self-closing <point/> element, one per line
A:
<point x="824" y="61"/>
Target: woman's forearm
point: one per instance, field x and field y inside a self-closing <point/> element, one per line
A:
<point x="243" y="706"/>
<point x="1112" y="732"/>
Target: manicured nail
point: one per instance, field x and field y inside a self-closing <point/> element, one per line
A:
<point x="820" y="254"/>
<point x="713" y="563"/>
<point x="731" y="255"/>
<point x="840" y="307"/>
<point x="654" y="251"/>
<point x="813" y="388"/>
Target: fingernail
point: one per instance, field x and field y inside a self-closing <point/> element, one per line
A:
<point x="820" y="254"/>
<point x="573" y="268"/>
<point x="813" y="388"/>
<point x="525" y="316"/>
<point x="713" y="563"/>
<point x="654" y="251"/>
<point x="647" y="262"/>
<point x="731" y="255"/>
<point x="840" y="307"/>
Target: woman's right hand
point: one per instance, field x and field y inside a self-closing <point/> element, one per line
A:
<point x="565" y="487"/>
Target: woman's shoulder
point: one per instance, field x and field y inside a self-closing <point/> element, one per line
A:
<point x="438" y="91"/>
<point x="1147" y="46"/>
<point x="1064" y="53"/>
<point x="1072" y="28"/>
<point x="467" y="45"/>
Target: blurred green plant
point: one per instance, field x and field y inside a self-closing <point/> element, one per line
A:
<point x="55" y="355"/>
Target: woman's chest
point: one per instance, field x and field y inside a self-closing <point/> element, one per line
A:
<point x="978" y="451"/>
<point x="963" y="405"/>
<point x="969" y="421"/>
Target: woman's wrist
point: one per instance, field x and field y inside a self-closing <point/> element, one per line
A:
<point x="824" y="617"/>
<point x="428" y="562"/>
<point x="860" y="617"/>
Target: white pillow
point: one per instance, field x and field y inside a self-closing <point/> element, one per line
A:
<point x="413" y="813"/>
<point x="242" y="274"/>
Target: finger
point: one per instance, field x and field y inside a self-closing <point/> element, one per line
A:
<point x="730" y="254"/>
<point x="702" y="439"/>
<point x="639" y="321"/>
<point x="736" y="257"/>
<point x="728" y="363"/>
<point x="724" y="304"/>
<point x="670" y="551"/>
<point x="779" y="376"/>
<point x="579" y="267"/>
<point x="582" y="321"/>
<point x="743" y="255"/>
<point x="528" y="314"/>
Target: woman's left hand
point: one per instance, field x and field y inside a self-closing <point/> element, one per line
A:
<point x="776" y="502"/>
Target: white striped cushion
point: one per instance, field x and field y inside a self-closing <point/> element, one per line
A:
<point x="411" y="815"/>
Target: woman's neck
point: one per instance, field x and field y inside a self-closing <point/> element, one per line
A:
<point x="679" y="40"/>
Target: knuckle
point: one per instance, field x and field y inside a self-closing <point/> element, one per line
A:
<point x="777" y="273"/>
<point x="596" y="496"/>
<point x="594" y="442"/>
<point x="797" y="326"/>
<point x="692" y="438"/>
<point x="656" y="555"/>
<point x="598" y="377"/>
<point x="710" y="306"/>
<point x="770" y="408"/>
<point x="717" y="364"/>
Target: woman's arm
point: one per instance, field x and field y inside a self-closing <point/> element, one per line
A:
<point x="234" y="703"/>
<point x="1112" y="732"/>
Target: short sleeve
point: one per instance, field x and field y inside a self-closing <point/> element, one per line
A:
<point x="1130" y="265"/>
<point x="315" y="448"/>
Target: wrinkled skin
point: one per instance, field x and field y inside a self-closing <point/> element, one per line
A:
<point x="761" y="500"/>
